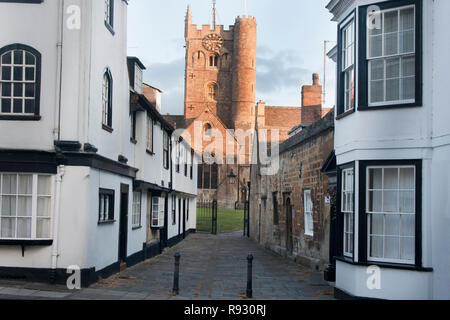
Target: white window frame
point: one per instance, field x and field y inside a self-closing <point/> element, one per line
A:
<point x="137" y="210"/>
<point x="158" y="212"/>
<point x="349" y="49"/>
<point x="106" y="98"/>
<point x="348" y="210"/>
<point x="308" y="212"/>
<point x="368" y="213"/>
<point x="166" y="153"/>
<point x="109" y="12"/>
<point x="34" y="205"/>
<point x="384" y="58"/>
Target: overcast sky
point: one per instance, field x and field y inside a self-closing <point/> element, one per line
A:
<point x="290" y="44"/>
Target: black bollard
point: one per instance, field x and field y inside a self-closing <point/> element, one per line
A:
<point x="250" y="277"/>
<point x="176" y="276"/>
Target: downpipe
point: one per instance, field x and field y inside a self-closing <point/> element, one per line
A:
<point x="55" y="248"/>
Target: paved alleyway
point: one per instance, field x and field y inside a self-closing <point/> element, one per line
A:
<point x="212" y="267"/>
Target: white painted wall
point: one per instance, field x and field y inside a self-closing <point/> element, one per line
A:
<point x="410" y="133"/>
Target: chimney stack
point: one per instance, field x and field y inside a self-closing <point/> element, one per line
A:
<point x="312" y="101"/>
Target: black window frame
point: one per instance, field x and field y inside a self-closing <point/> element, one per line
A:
<point x="340" y="107"/>
<point x="37" y="98"/>
<point x="166" y="150"/>
<point x="111" y="197"/>
<point x="362" y="225"/>
<point x="363" y="74"/>
<point x="133" y="127"/>
<point x="192" y="165"/>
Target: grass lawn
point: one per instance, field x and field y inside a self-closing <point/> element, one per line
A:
<point x="227" y="220"/>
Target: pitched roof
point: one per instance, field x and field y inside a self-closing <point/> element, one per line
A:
<point x="286" y="117"/>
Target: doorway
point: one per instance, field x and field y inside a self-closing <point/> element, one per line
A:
<point x="123" y="222"/>
<point x="184" y="218"/>
<point x="289" y="240"/>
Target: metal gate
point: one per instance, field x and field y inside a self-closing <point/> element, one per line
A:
<point x="207" y="216"/>
<point x="247" y="219"/>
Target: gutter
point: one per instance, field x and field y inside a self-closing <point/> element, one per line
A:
<point x="55" y="227"/>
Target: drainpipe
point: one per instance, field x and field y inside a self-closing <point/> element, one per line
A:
<point x="59" y="45"/>
<point x="57" y="207"/>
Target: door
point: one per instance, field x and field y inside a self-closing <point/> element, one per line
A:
<point x="164" y="232"/>
<point x="289" y="241"/>
<point x="184" y="218"/>
<point x="123" y="222"/>
<point x="179" y="216"/>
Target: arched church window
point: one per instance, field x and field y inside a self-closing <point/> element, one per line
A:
<point x="212" y="91"/>
<point x="214" y="60"/>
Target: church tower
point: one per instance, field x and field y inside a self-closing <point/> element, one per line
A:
<point x="221" y="71"/>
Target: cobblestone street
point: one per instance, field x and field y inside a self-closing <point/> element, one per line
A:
<point x="212" y="267"/>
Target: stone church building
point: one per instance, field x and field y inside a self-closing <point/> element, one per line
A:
<point x="220" y="89"/>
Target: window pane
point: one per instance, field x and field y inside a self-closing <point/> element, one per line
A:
<point x="376" y="224"/>
<point x="18" y="90"/>
<point x="43" y="207"/>
<point x="392" y="247"/>
<point x="391" y="178"/>
<point x="24" y="228"/>
<point x="18" y="57"/>
<point x="407" y="204"/>
<point x="391" y="22"/>
<point x="43" y="228"/>
<point x="408" y="88"/>
<point x="392" y="223"/>
<point x="24" y="206"/>
<point x="18" y="73"/>
<point x="6" y="105"/>
<point x="407" y="248"/>
<point x="6" y="73"/>
<point x="30" y="59"/>
<point x="6" y="89"/>
<point x="407" y="41"/>
<point x="377" y="91"/>
<point x="29" y="74"/>
<point x="392" y="68"/>
<point x="408" y="225"/>
<point x="375" y="201"/>
<point x="29" y="90"/>
<point x="407" y="178"/>
<point x="6" y="58"/>
<point x="375" y="178"/>
<point x="390" y="201"/>
<point x="376" y="247"/>
<point x="8" y="229"/>
<point x="408" y="67"/>
<point x="25" y="184"/>
<point x="17" y="106"/>
<point x="29" y="106"/>
<point x="9" y="185"/>
<point x="390" y="43"/>
<point x="393" y="90"/>
<point x="407" y="19"/>
<point x="9" y="206"/>
<point x="375" y="46"/>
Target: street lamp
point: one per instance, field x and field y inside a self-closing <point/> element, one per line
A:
<point x="232" y="177"/>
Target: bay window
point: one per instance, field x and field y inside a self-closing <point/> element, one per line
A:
<point x="25" y="206"/>
<point x="390" y="55"/>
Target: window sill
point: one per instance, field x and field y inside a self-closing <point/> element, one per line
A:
<point x="385" y="265"/>
<point x="390" y="106"/>
<point x="101" y="223"/>
<point x="156" y="228"/>
<point x="110" y="28"/>
<point x="345" y="114"/>
<point x="20" y="118"/>
<point x="107" y="128"/>
<point x="136" y="228"/>
<point x="13" y="242"/>
<point x="133" y="141"/>
<point x="150" y="152"/>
